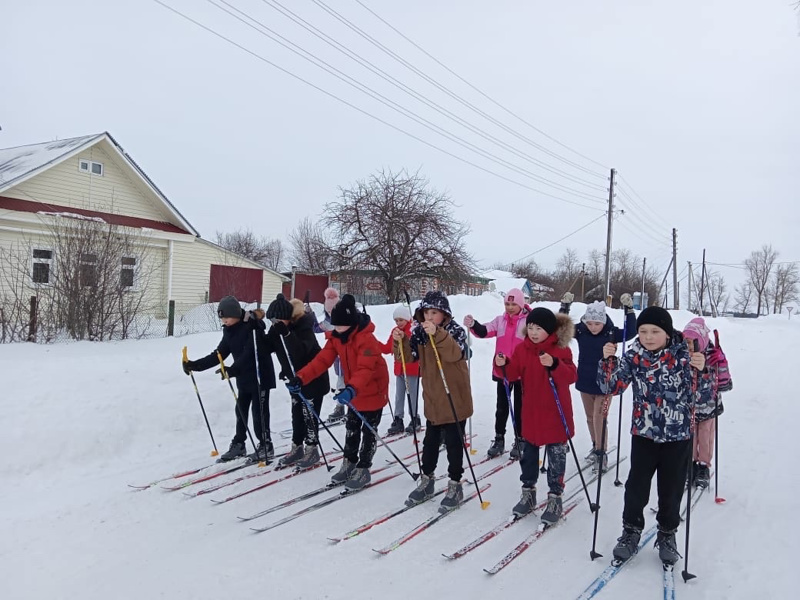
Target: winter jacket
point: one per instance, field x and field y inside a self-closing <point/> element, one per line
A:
<point x="362" y="364"/>
<point x="706" y="407"/>
<point x="412" y="368"/>
<point x="509" y="330"/>
<point x="301" y="342"/>
<point x="590" y="349"/>
<point x="662" y="388"/>
<point x="541" y="419"/>
<point x="451" y="344"/>
<point x="237" y="340"/>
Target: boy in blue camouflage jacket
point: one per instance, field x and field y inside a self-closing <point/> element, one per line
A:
<point x="668" y="380"/>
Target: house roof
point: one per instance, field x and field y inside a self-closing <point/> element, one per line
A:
<point x="244" y="258"/>
<point x="503" y="284"/>
<point x="20" y="163"/>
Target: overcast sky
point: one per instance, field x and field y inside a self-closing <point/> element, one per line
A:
<point x="697" y="104"/>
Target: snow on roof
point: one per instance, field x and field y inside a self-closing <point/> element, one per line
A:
<point x="17" y="162"/>
<point x="504" y="284"/>
<point x="496" y="274"/>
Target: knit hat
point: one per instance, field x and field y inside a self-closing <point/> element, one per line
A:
<point x="402" y="312"/>
<point x="331" y="298"/>
<point x="345" y="311"/>
<point x="229" y="307"/>
<point x="544" y="318"/>
<point x="596" y="311"/>
<point x="280" y="308"/>
<point x="434" y="299"/>
<point x="655" y="315"/>
<point x="696" y="329"/>
<point x="515" y="296"/>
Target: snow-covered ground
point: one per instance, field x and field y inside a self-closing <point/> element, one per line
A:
<point x="80" y="421"/>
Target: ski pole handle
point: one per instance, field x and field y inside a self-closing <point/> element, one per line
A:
<point x="185" y="354"/>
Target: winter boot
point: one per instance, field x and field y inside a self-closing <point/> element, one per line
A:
<point x="236" y="450"/>
<point x="627" y="543"/>
<point x="413" y="425"/>
<point x="527" y="502"/>
<point x="396" y="426"/>
<point x="453" y="497"/>
<point x="516" y="449"/>
<point x="359" y="478"/>
<point x="554" y="510"/>
<point x="423" y="492"/>
<point x="702" y="476"/>
<point x="265" y="452"/>
<point x="291" y="457"/>
<point x="498" y="446"/>
<point x="600" y="461"/>
<point x="337" y="414"/>
<point x="310" y="458"/>
<point x="344" y="472"/>
<point x="592" y="456"/>
<point x="667" y="548"/>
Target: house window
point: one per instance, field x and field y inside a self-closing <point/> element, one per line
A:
<point x="40" y="269"/>
<point x="128" y="272"/>
<point x="89" y="166"/>
<point x="88" y="270"/>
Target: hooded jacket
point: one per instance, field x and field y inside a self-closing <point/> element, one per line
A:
<point x="509" y="331"/>
<point x="590" y="350"/>
<point x="541" y="420"/>
<point x="412" y="367"/>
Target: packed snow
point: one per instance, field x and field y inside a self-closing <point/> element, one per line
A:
<point x="83" y="420"/>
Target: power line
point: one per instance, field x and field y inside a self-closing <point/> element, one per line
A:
<point x="656" y="238"/>
<point x="363" y="111"/>
<point x="645" y="204"/>
<point x="559" y="240"/>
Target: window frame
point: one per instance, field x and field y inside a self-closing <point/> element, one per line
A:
<point x="48" y="261"/>
<point x="135" y="268"/>
<point x="90" y="164"/>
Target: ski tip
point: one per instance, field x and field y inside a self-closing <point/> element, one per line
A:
<point x="489" y="571"/>
<point x="448" y="556"/>
<point x="379" y="552"/>
<point x="334" y="540"/>
<point x="214" y="453"/>
<point x="485" y="504"/>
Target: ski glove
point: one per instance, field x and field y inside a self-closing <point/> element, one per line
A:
<point x="626" y="300"/>
<point x="345" y="396"/>
<point x="280" y="328"/>
<point x="294" y="385"/>
<point x="188" y="366"/>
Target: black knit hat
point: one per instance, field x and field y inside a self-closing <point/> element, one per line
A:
<point x="345" y="311"/>
<point x="280" y="308"/>
<point x="655" y="315"/>
<point x="229" y="307"/>
<point x="544" y="318"/>
<point x="434" y="299"/>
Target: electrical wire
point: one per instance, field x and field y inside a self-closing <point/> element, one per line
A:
<point x="558" y="240"/>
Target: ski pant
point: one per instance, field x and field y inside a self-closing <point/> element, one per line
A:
<point x="669" y="461"/>
<point x="400" y="395"/>
<point x="246" y="400"/>
<point x="704" y="441"/>
<point x="556" y="466"/>
<point x="454" y="444"/>
<point x="593" y="406"/>
<point x="304" y="424"/>
<point x="501" y="414"/>
<point x="358" y="433"/>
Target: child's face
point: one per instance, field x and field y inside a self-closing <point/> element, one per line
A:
<point x="341" y="328"/>
<point x="536" y="333"/>
<point x="594" y="327"/>
<point x="434" y="315"/>
<point x="653" y="338"/>
<point x="401" y="323"/>
<point x="512" y="309"/>
<point x="228" y="321"/>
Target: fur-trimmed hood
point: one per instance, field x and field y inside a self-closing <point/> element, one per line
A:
<point x="298" y="308"/>
<point x="565" y="330"/>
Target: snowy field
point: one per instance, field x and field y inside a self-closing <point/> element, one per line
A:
<point x="81" y="421"/>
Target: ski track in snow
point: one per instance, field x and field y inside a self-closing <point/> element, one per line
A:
<point x="83" y="420"/>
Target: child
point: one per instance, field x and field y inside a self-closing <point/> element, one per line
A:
<point x="237" y="339"/>
<point x="435" y="319"/>
<point x="366" y="380"/>
<point x="703" y="446"/>
<point x="544" y="354"/>
<point x="331" y="298"/>
<point x="402" y="318"/>
<point x="662" y="370"/>
<point x="509" y="329"/>
<point x="592" y="333"/>
<point x="293" y="327"/>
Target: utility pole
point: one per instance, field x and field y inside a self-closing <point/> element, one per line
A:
<point x="675" y="295"/>
<point x="691" y="280"/>
<point x="641" y="298"/>
<point x="583" y="282"/>
<point x="702" y="283"/>
<point x="608" y="236"/>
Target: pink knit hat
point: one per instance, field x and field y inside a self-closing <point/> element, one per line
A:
<point x="515" y="296"/>
<point x="696" y="329"/>
<point x="331" y="298"/>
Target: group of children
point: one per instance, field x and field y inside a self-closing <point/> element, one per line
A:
<point x="672" y="389"/>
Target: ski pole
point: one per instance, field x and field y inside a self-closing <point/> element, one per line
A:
<point x="617" y="482"/>
<point x="717" y="498"/>
<point x="484" y="504"/>
<point x="592" y="506"/>
<point x="300" y="395"/>
<point x="685" y="573"/>
<point x="511" y="410"/>
<point x="214" y="452"/>
<point x="261" y="393"/>
<point x="593" y="553"/>
<point x="414" y="416"/>
<point x="469" y="368"/>
<point x="224" y="372"/>
<point x="414" y="476"/>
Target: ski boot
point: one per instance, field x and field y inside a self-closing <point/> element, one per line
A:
<point x="453" y="497"/>
<point x="291" y="457"/>
<point x="498" y="446"/>
<point x="344" y="472"/>
<point x="702" y="475"/>
<point x="423" y="492"/>
<point x="413" y="425"/>
<point x="554" y="510"/>
<point x="337" y="414"/>
<point x="396" y="426"/>
<point x="600" y="461"/>
<point x="359" y="478"/>
<point x="527" y="502"/>
<point x="264" y="453"/>
<point x="627" y="544"/>
<point x="310" y="458"/>
<point x="516" y="449"/>
<point x="236" y="450"/>
<point x="667" y="547"/>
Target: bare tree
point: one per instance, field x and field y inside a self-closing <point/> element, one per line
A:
<point x="263" y="250"/>
<point x="310" y="250"/>
<point x="396" y="224"/>
<point x="717" y="290"/>
<point x="744" y="296"/>
<point x="759" y="268"/>
<point x="784" y="286"/>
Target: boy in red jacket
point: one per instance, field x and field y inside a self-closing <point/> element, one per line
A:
<point x="402" y="318"/>
<point x="544" y="353"/>
<point x="366" y="381"/>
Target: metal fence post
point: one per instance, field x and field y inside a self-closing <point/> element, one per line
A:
<point x="32" y="321"/>
<point x="171" y="319"/>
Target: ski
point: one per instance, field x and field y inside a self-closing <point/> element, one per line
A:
<point x="427" y="524"/>
<point x="231" y="468"/>
<point x="531" y="539"/>
<point x="616" y="566"/>
<point x="324" y="503"/>
<point x="287" y="433"/>
<point x="175" y="476"/>
<point x="669" y="581"/>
